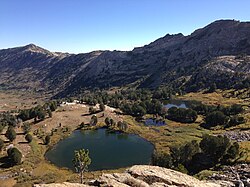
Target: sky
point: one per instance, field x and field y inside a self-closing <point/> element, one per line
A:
<point x="79" y="26"/>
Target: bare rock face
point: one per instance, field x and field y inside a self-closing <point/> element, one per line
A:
<point x="65" y="184"/>
<point x="145" y="176"/>
<point x="153" y="174"/>
<point x="239" y="136"/>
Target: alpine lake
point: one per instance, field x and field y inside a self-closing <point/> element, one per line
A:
<point x="107" y="150"/>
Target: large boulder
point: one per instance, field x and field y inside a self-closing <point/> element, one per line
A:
<point x="148" y="176"/>
<point x="143" y="176"/>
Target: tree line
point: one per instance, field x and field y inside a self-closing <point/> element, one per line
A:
<point x="139" y="102"/>
<point x="195" y="156"/>
<point x="39" y="112"/>
<point x="225" y="116"/>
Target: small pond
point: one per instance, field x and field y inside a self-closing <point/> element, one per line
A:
<point x="107" y="150"/>
<point x="154" y="122"/>
<point x="167" y="104"/>
<point x="175" y="103"/>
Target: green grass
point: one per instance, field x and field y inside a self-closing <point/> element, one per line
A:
<point x="245" y="146"/>
<point x="169" y="135"/>
<point x="203" y="175"/>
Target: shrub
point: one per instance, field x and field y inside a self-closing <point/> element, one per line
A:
<point x="235" y="120"/>
<point x="26" y="127"/>
<point x="1" y="127"/>
<point x="93" y="120"/>
<point x="181" y="168"/>
<point x="92" y="110"/>
<point x="1" y="144"/>
<point x="235" y="109"/>
<point x="82" y="125"/>
<point x="102" y="107"/>
<point x="122" y="126"/>
<point x="29" y="138"/>
<point x="107" y="121"/>
<point x="50" y="113"/>
<point x="216" y="118"/>
<point x="162" y="159"/>
<point x="47" y="139"/>
<point x="182" y="115"/>
<point x="212" y="88"/>
<point x="15" y="156"/>
<point x="10" y="133"/>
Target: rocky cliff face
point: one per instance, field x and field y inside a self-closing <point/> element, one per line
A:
<point x="144" y="176"/>
<point x="213" y="54"/>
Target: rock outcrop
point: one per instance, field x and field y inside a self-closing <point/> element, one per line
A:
<point x="144" y="176"/>
<point x="65" y="184"/>
<point x="239" y="173"/>
<point x="239" y="136"/>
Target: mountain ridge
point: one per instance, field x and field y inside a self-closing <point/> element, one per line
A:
<point x="175" y="60"/>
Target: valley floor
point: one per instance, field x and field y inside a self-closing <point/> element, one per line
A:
<point x="36" y="169"/>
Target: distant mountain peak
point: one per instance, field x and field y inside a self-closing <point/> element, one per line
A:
<point x="224" y="23"/>
<point x="34" y="48"/>
<point x="31" y="45"/>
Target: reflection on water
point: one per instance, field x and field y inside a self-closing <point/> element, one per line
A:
<point x="107" y="150"/>
<point x="182" y="105"/>
<point x="175" y="103"/>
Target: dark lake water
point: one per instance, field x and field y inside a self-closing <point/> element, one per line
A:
<point x="154" y="122"/>
<point x="107" y="150"/>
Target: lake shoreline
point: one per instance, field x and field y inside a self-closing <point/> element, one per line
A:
<point x="112" y="133"/>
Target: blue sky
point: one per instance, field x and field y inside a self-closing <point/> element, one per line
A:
<point x="86" y="25"/>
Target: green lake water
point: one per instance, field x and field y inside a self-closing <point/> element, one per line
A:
<point x="107" y="150"/>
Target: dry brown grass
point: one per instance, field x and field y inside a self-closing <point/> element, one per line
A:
<point x="7" y="182"/>
<point x="214" y="98"/>
<point x="10" y="100"/>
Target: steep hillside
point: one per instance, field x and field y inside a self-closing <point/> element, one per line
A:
<point x="216" y="54"/>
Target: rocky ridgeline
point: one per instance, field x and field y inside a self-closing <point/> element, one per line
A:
<point x="145" y="176"/>
<point x="216" y="53"/>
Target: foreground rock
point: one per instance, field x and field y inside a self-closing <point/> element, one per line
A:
<point x="65" y="184"/>
<point x="144" y="176"/>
